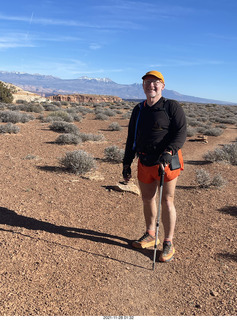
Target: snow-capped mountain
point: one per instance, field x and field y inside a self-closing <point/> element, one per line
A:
<point x="50" y="85"/>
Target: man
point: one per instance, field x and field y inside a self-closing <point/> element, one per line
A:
<point x="156" y="132"/>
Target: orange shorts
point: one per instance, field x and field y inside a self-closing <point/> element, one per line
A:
<point x="149" y="174"/>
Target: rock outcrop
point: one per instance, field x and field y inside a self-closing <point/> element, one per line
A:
<point x="20" y="94"/>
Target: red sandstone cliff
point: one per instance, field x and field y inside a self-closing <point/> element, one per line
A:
<point x="94" y="98"/>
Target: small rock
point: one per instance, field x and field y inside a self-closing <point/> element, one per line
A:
<point x="129" y="187"/>
<point x="93" y="176"/>
<point x="213" y="293"/>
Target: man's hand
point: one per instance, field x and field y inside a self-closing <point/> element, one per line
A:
<point x="165" y="158"/>
<point x="127" y="172"/>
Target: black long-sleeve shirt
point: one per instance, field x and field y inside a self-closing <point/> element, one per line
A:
<point x="160" y="127"/>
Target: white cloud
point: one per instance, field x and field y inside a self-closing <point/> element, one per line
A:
<point x="186" y="63"/>
<point x="15" y="41"/>
<point x="95" y="46"/>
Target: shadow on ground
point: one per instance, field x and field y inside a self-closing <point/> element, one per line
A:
<point x="11" y="218"/>
<point x="231" y="210"/>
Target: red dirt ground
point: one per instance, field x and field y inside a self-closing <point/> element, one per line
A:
<point x="65" y="241"/>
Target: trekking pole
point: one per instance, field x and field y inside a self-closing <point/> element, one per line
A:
<point x="162" y="174"/>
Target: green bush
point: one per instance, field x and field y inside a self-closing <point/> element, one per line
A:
<point x="5" y="93"/>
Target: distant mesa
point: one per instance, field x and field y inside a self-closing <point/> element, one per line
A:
<point x="20" y="94"/>
<point x="78" y="98"/>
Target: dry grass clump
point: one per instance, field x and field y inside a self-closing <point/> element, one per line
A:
<point x="78" y="161"/>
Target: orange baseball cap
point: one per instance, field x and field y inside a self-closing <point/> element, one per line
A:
<point x="156" y="74"/>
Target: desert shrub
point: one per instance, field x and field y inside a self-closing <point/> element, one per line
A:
<point x="14" y="116"/>
<point x="201" y="118"/>
<point x="223" y="120"/>
<point x="2" y="106"/>
<point x="63" y="115"/>
<point x="98" y="109"/>
<point x="73" y="113"/>
<point x="9" y="128"/>
<point x="91" y="137"/>
<point x="204" y="179"/>
<point x="62" y="126"/>
<point x="21" y="101"/>
<point x="50" y="107"/>
<point x="57" y="103"/>
<point x="5" y="93"/>
<point x="194" y="123"/>
<point x="109" y="113"/>
<point x="37" y="108"/>
<point x="30" y="157"/>
<point x="114" y="154"/>
<point x="127" y="115"/>
<point x="101" y="116"/>
<point x="68" y="138"/>
<point x="218" y="181"/>
<point x="83" y="110"/>
<point x="114" y="126"/>
<point x="221" y="125"/>
<point x="78" y="161"/>
<point x="213" y="132"/>
<point x="191" y="131"/>
<point x="201" y="129"/>
<point x="64" y="103"/>
<point x="228" y="153"/>
<point x="13" y="107"/>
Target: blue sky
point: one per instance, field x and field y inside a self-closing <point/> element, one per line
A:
<point x="193" y="43"/>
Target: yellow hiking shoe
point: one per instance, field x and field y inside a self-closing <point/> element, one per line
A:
<point x="145" y="241"/>
<point x="168" y="252"/>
